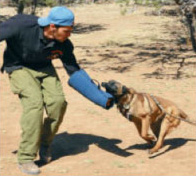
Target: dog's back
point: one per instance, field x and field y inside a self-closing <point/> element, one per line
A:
<point x="167" y="104"/>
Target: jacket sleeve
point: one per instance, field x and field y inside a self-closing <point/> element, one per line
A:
<point x="8" y="29"/>
<point x="69" y="61"/>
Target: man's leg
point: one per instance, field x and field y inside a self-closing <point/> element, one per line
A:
<point x="28" y="88"/>
<point x="55" y="105"/>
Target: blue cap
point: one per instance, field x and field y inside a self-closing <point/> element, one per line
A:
<point x="59" y="15"/>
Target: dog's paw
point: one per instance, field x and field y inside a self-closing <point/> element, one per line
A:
<point x="150" y="152"/>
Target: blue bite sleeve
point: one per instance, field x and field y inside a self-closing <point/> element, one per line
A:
<point x="82" y="82"/>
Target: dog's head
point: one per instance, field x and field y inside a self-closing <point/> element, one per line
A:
<point x="117" y="89"/>
<point x="121" y="93"/>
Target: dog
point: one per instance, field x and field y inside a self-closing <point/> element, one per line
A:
<point x="146" y="111"/>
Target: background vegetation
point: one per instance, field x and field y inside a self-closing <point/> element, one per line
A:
<point x="124" y="4"/>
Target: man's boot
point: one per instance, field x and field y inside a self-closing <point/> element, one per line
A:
<point x="29" y="168"/>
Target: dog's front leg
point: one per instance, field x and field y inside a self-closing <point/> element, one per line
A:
<point x="144" y="130"/>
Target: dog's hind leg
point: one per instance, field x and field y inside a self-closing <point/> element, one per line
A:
<point x="164" y="130"/>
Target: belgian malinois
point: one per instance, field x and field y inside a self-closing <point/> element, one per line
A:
<point x="145" y="111"/>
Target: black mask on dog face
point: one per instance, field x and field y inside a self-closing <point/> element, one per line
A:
<point x="114" y="88"/>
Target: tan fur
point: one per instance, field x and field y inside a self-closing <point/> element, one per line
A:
<point x="146" y="114"/>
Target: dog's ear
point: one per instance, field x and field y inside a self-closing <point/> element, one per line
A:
<point x="124" y="90"/>
<point x="131" y="91"/>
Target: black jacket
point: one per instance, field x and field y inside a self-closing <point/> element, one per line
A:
<point x="26" y="46"/>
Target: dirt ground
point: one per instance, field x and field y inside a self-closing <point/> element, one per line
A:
<point x="141" y="50"/>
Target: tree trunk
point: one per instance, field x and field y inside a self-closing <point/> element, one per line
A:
<point x="20" y="7"/>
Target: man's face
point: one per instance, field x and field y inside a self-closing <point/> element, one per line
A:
<point x="62" y="33"/>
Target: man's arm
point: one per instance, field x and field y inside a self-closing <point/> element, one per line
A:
<point x="82" y="82"/>
<point x="8" y="29"/>
<point x="69" y="61"/>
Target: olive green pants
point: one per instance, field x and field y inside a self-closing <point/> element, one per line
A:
<point x="38" y="90"/>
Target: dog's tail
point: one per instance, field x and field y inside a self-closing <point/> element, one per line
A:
<point x="184" y="117"/>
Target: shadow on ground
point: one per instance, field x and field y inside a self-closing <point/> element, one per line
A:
<point x="172" y="57"/>
<point x="81" y="28"/>
<point x="173" y="144"/>
<point x="66" y="144"/>
<point x="171" y="61"/>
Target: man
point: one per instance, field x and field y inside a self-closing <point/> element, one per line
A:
<point x="31" y="44"/>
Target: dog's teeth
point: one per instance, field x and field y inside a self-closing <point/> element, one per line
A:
<point x="126" y="106"/>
